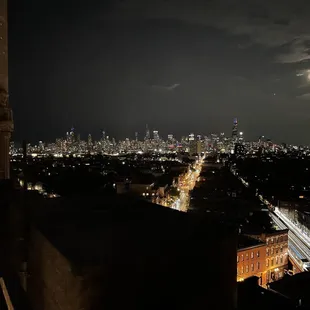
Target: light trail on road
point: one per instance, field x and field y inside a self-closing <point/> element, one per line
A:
<point x="189" y="183"/>
<point x="293" y="227"/>
<point x="296" y="243"/>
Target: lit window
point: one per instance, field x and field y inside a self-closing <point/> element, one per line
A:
<point x="257" y="253"/>
<point x="242" y="269"/>
<point x="252" y="267"/>
<point x="252" y="254"/>
<point x="267" y="262"/>
<point x="247" y="256"/>
<point x="242" y="258"/>
<point x="246" y="268"/>
<point x="267" y="251"/>
<point x="237" y="259"/>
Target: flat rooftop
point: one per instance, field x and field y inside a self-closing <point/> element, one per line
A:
<point x="247" y="242"/>
<point x="89" y="230"/>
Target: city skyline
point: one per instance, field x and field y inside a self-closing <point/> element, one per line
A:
<point x="116" y="69"/>
<point x="150" y="132"/>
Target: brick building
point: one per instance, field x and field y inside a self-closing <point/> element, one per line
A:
<point x="276" y="255"/>
<point x="251" y="259"/>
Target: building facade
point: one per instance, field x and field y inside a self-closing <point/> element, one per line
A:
<point x="276" y="255"/>
<point x="251" y="262"/>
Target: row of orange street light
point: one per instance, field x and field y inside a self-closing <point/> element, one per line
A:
<point x="187" y="183"/>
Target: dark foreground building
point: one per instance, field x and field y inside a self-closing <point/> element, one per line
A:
<point x="252" y="296"/>
<point x="116" y="252"/>
<point x="295" y="287"/>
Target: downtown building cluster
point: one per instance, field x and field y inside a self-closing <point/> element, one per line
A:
<point x="194" y="144"/>
<point x="152" y="141"/>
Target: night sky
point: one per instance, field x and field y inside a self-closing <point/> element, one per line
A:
<point x="180" y="66"/>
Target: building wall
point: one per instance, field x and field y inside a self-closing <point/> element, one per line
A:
<point x="251" y="261"/>
<point x="51" y="283"/>
<point x="276" y="255"/>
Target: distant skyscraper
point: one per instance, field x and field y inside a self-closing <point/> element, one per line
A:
<point x="103" y="135"/>
<point x="136" y="136"/>
<point x="41" y="146"/>
<point x="192" y="144"/>
<point x="241" y="137"/>
<point x="170" y="137"/>
<point x="155" y="135"/>
<point x="71" y="136"/>
<point x="147" y="133"/>
<point x="199" y="147"/>
<point x="235" y="129"/>
<point x="89" y="140"/>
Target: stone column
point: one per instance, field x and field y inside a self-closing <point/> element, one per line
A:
<point x="6" y="117"/>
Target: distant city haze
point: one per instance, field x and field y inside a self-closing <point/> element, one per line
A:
<point x="118" y="65"/>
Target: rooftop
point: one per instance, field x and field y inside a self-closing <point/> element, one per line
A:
<point x="140" y="255"/>
<point x="92" y="229"/>
<point x="247" y="242"/>
<point x="253" y="296"/>
<point x="296" y="287"/>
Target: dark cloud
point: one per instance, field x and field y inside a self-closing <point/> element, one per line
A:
<point x="304" y="97"/>
<point x="271" y="23"/>
<point x="282" y="21"/>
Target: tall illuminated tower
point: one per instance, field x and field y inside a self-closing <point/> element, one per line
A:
<point x="235" y="129"/>
<point x="6" y="117"/>
<point x="147" y="133"/>
<point x="155" y="135"/>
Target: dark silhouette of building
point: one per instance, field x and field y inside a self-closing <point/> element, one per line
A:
<point x="114" y="252"/>
<point x="253" y="296"/>
<point x="148" y="255"/>
<point x="295" y="287"/>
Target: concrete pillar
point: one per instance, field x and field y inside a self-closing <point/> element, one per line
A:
<point x="6" y="117"/>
